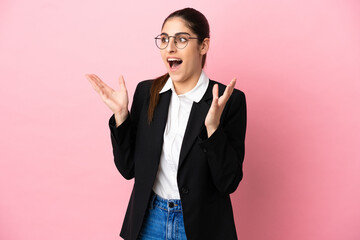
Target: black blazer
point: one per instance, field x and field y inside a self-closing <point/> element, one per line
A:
<point x="209" y="168"/>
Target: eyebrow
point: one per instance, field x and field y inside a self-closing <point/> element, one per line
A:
<point x="175" y="33"/>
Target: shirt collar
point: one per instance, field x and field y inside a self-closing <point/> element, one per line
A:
<point x="194" y="94"/>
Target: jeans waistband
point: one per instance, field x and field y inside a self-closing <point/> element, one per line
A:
<point x="165" y="204"/>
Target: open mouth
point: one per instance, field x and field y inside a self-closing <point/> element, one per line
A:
<point x="174" y="62"/>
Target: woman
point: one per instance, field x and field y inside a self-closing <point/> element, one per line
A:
<point x="183" y="144"/>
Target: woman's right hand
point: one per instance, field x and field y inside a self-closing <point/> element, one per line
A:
<point x="117" y="101"/>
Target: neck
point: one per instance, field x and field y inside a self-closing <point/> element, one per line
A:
<point x="182" y="87"/>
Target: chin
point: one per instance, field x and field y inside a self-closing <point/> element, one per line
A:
<point x="175" y="77"/>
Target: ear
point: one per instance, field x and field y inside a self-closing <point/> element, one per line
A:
<point x="204" y="47"/>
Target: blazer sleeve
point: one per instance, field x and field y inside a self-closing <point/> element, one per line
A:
<point x="225" y="149"/>
<point x="123" y="137"/>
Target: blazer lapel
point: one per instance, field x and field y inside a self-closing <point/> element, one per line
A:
<point x="196" y="122"/>
<point x="156" y="128"/>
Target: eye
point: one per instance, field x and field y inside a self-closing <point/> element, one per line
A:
<point x="182" y="39"/>
<point x="164" y="39"/>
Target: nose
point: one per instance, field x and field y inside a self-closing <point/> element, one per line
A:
<point x="171" y="46"/>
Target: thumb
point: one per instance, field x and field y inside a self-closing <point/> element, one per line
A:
<point x="122" y="83"/>
<point x="215" y="93"/>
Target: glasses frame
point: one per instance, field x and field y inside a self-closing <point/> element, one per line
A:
<point x="177" y="34"/>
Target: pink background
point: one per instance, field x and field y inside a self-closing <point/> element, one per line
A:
<point x="297" y="61"/>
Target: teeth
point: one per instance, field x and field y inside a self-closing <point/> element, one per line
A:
<point x="174" y="59"/>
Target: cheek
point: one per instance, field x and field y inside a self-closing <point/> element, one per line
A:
<point x="194" y="57"/>
<point x="194" y="52"/>
<point x="163" y="57"/>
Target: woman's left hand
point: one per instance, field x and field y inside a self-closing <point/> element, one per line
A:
<point x="212" y="119"/>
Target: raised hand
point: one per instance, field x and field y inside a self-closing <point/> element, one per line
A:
<point x="212" y="119"/>
<point x="117" y="101"/>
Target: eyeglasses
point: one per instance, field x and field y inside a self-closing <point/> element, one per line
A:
<point x="181" y="40"/>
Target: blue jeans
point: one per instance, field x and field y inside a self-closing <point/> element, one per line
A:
<point x="163" y="220"/>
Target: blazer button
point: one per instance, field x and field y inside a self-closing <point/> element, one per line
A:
<point x="185" y="190"/>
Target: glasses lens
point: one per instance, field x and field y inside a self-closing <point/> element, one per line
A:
<point x="181" y="40"/>
<point x="162" y="41"/>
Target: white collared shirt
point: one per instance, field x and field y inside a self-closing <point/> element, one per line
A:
<point x="165" y="184"/>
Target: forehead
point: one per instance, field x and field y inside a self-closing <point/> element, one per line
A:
<point x="176" y="25"/>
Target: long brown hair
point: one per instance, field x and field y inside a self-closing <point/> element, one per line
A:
<point x="198" y="23"/>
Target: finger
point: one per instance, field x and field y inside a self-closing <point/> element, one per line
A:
<point x="92" y="82"/>
<point x="100" y="83"/>
<point x="228" y="90"/>
<point x="103" y="88"/>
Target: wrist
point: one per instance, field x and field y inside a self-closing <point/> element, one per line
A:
<point x="120" y="117"/>
<point x="210" y="131"/>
